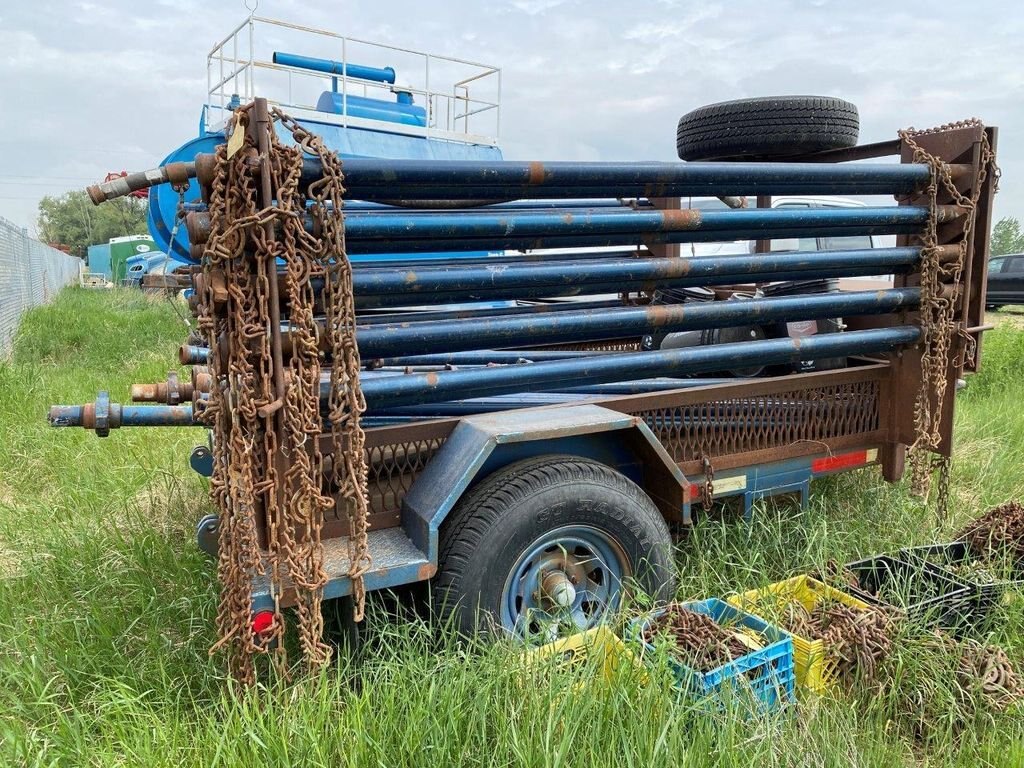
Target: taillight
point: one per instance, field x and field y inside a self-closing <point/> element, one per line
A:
<point x="262" y="621"/>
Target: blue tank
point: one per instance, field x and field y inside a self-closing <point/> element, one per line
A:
<point x="346" y="140"/>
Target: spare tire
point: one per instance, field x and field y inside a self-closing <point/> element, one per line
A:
<point x="767" y="127"/>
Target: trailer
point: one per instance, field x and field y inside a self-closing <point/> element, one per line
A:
<point x="532" y="459"/>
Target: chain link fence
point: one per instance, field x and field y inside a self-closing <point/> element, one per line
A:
<point x="30" y="274"/>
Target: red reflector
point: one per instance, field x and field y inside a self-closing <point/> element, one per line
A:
<point x="694" y="491"/>
<point x="842" y="461"/>
<point x="262" y="621"/>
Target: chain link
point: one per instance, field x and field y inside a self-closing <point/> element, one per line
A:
<point x="939" y="325"/>
<point x="268" y="465"/>
<point x="707" y="491"/>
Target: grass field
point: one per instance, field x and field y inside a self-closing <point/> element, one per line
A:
<point x="106" y="606"/>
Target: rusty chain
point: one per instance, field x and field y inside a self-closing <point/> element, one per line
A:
<point x="938" y="308"/>
<point x="707" y="490"/>
<point x="346" y="404"/>
<point x="856" y="640"/>
<point x="266" y="422"/>
<point x="703" y="642"/>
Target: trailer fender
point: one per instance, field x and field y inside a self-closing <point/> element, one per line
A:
<point x="480" y="445"/>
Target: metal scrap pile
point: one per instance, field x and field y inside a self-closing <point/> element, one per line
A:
<point x="698" y="639"/>
<point x="857" y="640"/>
<point x="1000" y="530"/>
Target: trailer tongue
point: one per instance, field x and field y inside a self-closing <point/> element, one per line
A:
<point x="354" y="450"/>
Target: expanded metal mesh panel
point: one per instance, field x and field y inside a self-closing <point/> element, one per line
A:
<point x="611" y="345"/>
<point x="30" y="274"/>
<point x="741" y="425"/>
<point x="392" y="470"/>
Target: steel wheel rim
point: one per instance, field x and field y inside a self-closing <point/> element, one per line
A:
<point x="567" y="580"/>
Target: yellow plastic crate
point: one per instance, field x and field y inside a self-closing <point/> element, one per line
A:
<point x="815" y="670"/>
<point x="601" y="643"/>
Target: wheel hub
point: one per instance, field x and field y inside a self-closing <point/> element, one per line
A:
<point x="557" y="589"/>
<point x="564" y="582"/>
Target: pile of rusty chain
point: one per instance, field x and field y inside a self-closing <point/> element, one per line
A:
<point x="696" y="638"/>
<point x="857" y="640"/>
<point x="998" y="531"/>
<point x="988" y="667"/>
<point x="938" y="308"/>
<point x="265" y="413"/>
<point x="982" y="668"/>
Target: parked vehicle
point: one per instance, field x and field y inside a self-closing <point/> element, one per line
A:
<point x="1005" y="280"/>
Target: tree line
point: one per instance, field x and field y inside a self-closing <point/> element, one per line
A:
<point x="72" y="222"/>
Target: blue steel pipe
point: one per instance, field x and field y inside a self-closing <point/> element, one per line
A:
<point x="397" y="339"/>
<point x="489" y="356"/>
<point x="431" y="285"/>
<point x="473" y="230"/>
<point x="331" y="67"/>
<point x="390" y="391"/>
<point x="104" y="415"/>
<point x="372" y="318"/>
<point x="194" y="355"/>
<point x="376" y="179"/>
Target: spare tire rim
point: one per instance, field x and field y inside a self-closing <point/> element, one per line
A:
<point x="566" y="581"/>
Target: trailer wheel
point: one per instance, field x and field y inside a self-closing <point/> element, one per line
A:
<point x="766" y="127"/>
<point x="548" y="546"/>
<point x="340" y="628"/>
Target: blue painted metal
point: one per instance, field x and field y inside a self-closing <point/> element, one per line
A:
<point x="331" y="67"/>
<point x="372" y="179"/>
<point x="415" y="388"/>
<point x="476" y="230"/>
<point x="190" y="354"/>
<point x="348" y="142"/>
<point x="427" y="284"/>
<point x="598" y="567"/>
<point x="201" y="460"/>
<point x="397" y="339"/>
<point x="99" y="260"/>
<point x="206" y="534"/>
<point x="104" y="415"/>
<point x="162" y="217"/>
<point x="774" y="478"/>
<point x="371" y="109"/>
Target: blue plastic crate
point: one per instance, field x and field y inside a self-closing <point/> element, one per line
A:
<point x="768" y="675"/>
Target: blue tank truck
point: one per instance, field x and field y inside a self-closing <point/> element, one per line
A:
<point x="529" y="454"/>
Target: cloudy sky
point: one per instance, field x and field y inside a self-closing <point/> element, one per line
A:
<point x="87" y="87"/>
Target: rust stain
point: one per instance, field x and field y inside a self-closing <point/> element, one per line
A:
<point x="567" y="218"/>
<point x="425" y="571"/>
<point x="431" y="379"/>
<point x="673" y="220"/>
<point x="658" y="315"/>
<point x="536" y="173"/>
<point x="410" y="277"/>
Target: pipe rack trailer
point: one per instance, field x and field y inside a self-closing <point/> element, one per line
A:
<point x="531" y="461"/>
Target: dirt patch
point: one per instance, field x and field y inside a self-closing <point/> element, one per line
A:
<point x="11" y="566"/>
<point x="1011" y="316"/>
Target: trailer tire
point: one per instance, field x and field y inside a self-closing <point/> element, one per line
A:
<point x="340" y="628"/>
<point x="584" y="530"/>
<point x="767" y="127"/>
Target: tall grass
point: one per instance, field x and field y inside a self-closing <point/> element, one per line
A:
<point x="106" y="607"/>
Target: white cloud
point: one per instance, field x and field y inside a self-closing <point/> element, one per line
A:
<point x="117" y="84"/>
